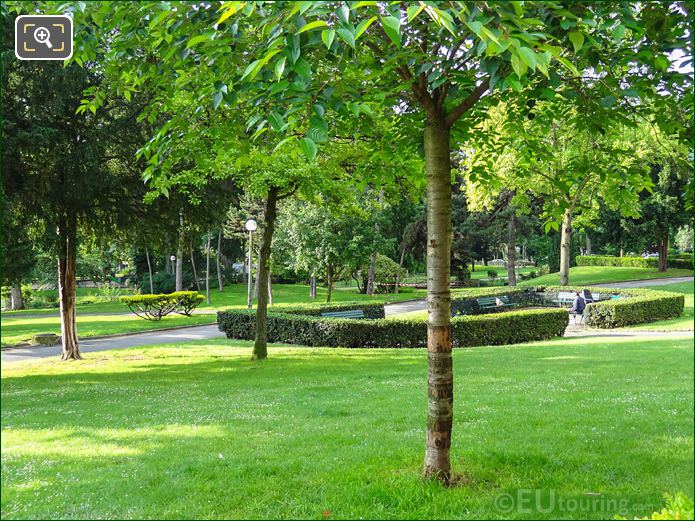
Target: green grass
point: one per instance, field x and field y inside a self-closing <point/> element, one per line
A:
<point x="682" y="323"/>
<point x="16" y="329"/>
<point x="200" y="431"/>
<point x="580" y="275"/>
<point x="234" y="295"/>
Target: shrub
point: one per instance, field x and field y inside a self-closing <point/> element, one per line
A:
<point x="492" y="275"/>
<point x="465" y="302"/>
<point x="154" y="307"/>
<point x="672" y="261"/>
<point x="498" y="329"/>
<point x="636" y="306"/>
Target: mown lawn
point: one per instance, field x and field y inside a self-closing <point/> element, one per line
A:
<point x="200" y="431"/>
<point x="15" y="330"/>
<point x="234" y="295"/>
<point x="580" y="275"/>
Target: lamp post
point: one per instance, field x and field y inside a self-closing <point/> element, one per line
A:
<point x="251" y="226"/>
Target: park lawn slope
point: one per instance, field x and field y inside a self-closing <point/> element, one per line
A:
<point x="17" y="330"/>
<point x="585" y="275"/>
<point x="199" y="430"/>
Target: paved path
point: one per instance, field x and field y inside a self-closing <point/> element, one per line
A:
<point x="643" y="283"/>
<point x="120" y="342"/>
<point x="405" y="307"/>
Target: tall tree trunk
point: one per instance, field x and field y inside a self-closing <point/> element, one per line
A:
<point x="511" y="250"/>
<point x="588" y="243"/>
<point x="439" y="360"/>
<point x="369" y="290"/>
<point x="400" y="268"/>
<point x="207" y="270"/>
<point x="179" y="256"/>
<point x="329" y="283"/>
<point x="195" y="272"/>
<point x="16" y="297"/>
<point x="622" y="252"/>
<point x="218" y="261"/>
<point x="663" y="252"/>
<point x="565" y="245"/>
<point x="149" y="268"/>
<point x="260" y="347"/>
<point x="312" y="286"/>
<point x="67" y="257"/>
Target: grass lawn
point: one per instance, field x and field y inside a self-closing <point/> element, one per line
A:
<point x="580" y="275"/>
<point x="16" y="329"/>
<point x="200" y="431"/>
<point x="234" y="295"/>
<point x="684" y="322"/>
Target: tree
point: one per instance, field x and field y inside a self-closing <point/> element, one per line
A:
<point x="89" y="156"/>
<point x="434" y="62"/>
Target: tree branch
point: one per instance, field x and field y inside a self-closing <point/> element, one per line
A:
<point x="467" y="103"/>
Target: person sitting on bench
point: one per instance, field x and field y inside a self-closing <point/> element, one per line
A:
<point x="578" y="305"/>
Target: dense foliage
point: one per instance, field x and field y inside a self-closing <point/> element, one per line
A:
<point x="154" y="307"/>
<point x="673" y="261"/>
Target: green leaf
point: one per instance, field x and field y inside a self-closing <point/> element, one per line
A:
<point x="514" y="83"/>
<point x="303" y="68"/>
<point x="414" y="10"/>
<point x="196" y="40"/>
<point x="577" y="40"/>
<point x="363" y="26"/>
<point x="392" y="28"/>
<point x="312" y="25"/>
<point x="252" y="69"/>
<point x="308" y="147"/>
<point x="528" y="57"/>
<point x="280" y="67"/>
<point x="284" y="142"/>
<point x="328" y="35"/>
<point x="276" y="121"/>
<point x="568" y="65"/>
<point x="347" y="35"/>
<point x="518" y="65"/>
<point x="474" y="26"/>
<point x="217" y="99"/>
<point x="618" y="33"/>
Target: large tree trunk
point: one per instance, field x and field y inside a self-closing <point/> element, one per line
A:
<point x="17" y="301"/>
<point x="195" y="272"/>
<point x="511" y="250"/>
<point x="663" y="252"/>
<point x="207" y="271"/>
<point x="588" y="243"/>
<point x="260" y="347"/>
<point x="149" y="268"/>
<point x="312" y="286"/>
<point x="219" y="270"/>
<point x="67" y="257"/>
<point x="369" y="290"/>
<point x="439" y="361"/>
<point x="565" y="242"/>
<point x="179" y="256"/>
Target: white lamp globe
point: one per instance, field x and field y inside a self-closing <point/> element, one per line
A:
<point x="251" y="225"/>
<point x="173" y="258"/>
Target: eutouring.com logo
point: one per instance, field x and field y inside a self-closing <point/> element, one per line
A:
<point x="532" y="501"/>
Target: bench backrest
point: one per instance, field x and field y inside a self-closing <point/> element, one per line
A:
<point x="566" y="295"/>
<point x="487" y="301"/>
<point x="352" y="313"/>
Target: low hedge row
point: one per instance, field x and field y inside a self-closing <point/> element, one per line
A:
<point x="636" y="306"/>
<point x="498" y="329"/>
<point x="464" y="302"/>
<point x="371" y="310"/>
<point x="683" y="262"/>
<point x="154" y="307"/>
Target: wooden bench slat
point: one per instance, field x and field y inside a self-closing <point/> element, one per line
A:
<point x="353" y="313"/>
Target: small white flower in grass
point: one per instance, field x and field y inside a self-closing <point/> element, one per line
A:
<point x="221" y="456"/>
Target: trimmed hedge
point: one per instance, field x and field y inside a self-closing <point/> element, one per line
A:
<point x="683" y="262"/>
<point x="637" y="306"/>
<point x="154" y="307"/>
<point x="371" y="310"/>
<point x="499" y="329"/>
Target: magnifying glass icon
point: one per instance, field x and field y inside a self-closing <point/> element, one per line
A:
<point x="43" y="35"/>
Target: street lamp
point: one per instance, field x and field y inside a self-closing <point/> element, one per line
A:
<point x="251" y="226"/>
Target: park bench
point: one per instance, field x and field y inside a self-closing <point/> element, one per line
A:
<point x="590" y="297"/>
<point x="352" y="313"/>
<point x="491" y="302"/>
<point x="564" y="298"/>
